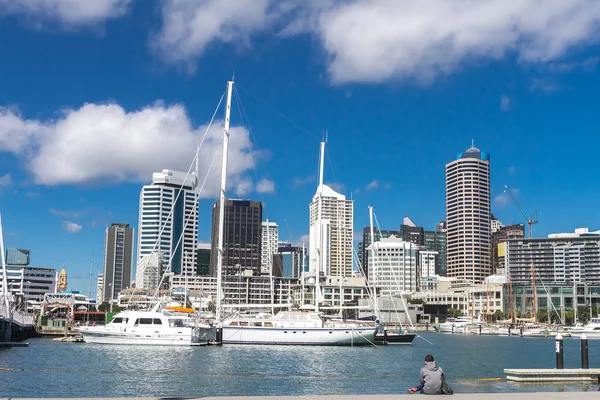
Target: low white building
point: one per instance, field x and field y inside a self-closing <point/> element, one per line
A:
<point x="393" y="266"/>
<point x="32" y="282"/>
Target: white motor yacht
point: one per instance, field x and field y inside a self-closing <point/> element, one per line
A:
<point x="296" y="328"/>
<point x="591" y="330"/>
<point x="165" y="327"/>
<point x="455" y="325"/>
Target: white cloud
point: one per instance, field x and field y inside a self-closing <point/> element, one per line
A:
<point x="500" y="201"/>
<point x="5" y="181"/>
<point x="66" y="12"/>
<point x="65" y="214"/>
<point x="265" y="186"/>
<point x="297" y="182"/>
<point x="512" y="170"/>
<point x="189" y="27"/>
<point x="105" y="143"/>
<point x="503" y="199"/>
<point x="71" y="227"/>
<point x="381" y="40"/>
<point x="302" y="239"/>
<point x="373" y="185"/>
<point x="33" y="194"/>
<point x="505" y="103"/>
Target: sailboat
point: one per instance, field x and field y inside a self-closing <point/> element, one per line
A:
<point x="291" y="327"/>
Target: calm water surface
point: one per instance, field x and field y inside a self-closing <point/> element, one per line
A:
<point x="51" y="369"/>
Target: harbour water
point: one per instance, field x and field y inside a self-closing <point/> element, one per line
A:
<point x="472" y="364"/>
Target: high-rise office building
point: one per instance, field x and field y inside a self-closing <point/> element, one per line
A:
<point x="410" y="232"/>
<point x="468" y="216"/>
<point x="393" y="266"/>
<point x="203" y="259"/>
<point x="291" y="261"/>
<point x="515" y="231"/>
<point x="118" y="259"/>
<point x="363" y="253"/>
<point x="336" y="235"/>
<point x="168" y="221"/>
<point x="241" y="237"/>
<point x="17" y="256"/>
<point x="270" y="242"/>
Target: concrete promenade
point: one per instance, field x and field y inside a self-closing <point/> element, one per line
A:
<point x="460" y="396"/>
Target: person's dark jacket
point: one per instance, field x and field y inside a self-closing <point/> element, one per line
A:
<point x="431" y="378"/>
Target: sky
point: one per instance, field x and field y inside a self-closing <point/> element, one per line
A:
<point x="97" y="95"/>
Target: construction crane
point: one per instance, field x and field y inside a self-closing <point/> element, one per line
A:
<point x="530" y="221"/>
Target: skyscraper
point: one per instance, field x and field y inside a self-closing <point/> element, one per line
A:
<point x="118" y="257"/>
<point x="337" y="221"/>
<point x="468" y="216"/>
<point x="241" y="237"/>
<point x="168" y="221"/>
<point x="270" y="241"/>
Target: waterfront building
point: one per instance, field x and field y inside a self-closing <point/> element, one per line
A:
<point x="470" y="299"/>
<point x="393" y="266"/>
<point x="515" y="231"/>
<point x="269" y="243"/>
<point x="468" y="216"/>
<point x="393" y="310"/>
<point x="17" y="256"/>
<point x="203" y="259"/>
<point x="558" y="273"/>
<point x="32" y="282"/>
<point x="62" y="281"/>
<point x="168" y="220"/>
<point x="242" y="238"/>
<point x="100" y="289"/>
<point x="118" y="259"/>
<point x="336" y="233"/>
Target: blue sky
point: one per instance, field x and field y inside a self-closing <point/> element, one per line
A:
<point x="95" y="96"/>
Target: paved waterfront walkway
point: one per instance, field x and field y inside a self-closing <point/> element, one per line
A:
<point x="461" y="396"/>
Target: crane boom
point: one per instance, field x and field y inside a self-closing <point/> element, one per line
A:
<point x="530" y="221"/>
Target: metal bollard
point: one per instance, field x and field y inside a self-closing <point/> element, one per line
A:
<point x="585" y="361"/>
<point x="559" y="352"/>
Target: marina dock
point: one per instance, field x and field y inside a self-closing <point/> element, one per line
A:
<point x="459" y="396"/>
<point x="553" y="375"/>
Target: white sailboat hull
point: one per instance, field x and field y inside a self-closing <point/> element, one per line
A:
<point x="590" y="334"/>
<point x="299" y="336"/>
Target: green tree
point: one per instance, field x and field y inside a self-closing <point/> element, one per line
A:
<point x="498" y="315"/>
<point x="104" y="307"/>
<point x="416" y="301"/>
<point x="453" y="313"/>
<point x="542" y="316"/>
<point x="570" y="317"/>
<point x="583" y="314"/>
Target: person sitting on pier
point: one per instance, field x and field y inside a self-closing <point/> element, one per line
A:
<point x="430" y="378"/>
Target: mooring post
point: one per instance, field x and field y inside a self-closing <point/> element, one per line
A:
<point x="559" y="352"/>
<point x="585" y="362"/>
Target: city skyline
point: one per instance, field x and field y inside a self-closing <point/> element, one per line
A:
<point x="92" y="104"/>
